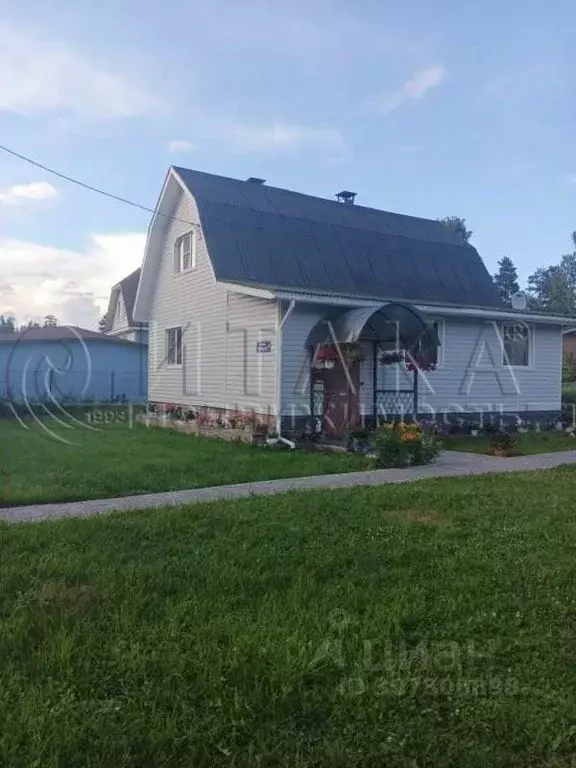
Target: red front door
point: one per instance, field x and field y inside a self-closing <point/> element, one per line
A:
<point x="341" y="397"/>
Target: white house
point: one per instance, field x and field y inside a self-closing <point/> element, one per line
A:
<point x="243" y="286"/>
<point x="119" y="315"/>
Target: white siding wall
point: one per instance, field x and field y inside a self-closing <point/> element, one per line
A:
<point x="470" y="375"/>
<point x="132" y="333"/>
<point x="221" y="366"/>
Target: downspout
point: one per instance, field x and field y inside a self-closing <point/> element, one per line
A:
<point x="279" y="355"/>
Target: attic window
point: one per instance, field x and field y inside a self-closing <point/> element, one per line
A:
<point x="120" y="310"/>
<point x="185" y="252"/>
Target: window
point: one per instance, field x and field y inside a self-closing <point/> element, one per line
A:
<point x="516" y="344"/>
<point x="426" y="350"/>
<point x="185" y="253"/>
<point x="174" y="346"/>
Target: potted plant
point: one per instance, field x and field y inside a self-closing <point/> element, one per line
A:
<point x="419" y="363"/>
<point x="475" y="429"/>
<point x="391" y="358"/>
<point x="359" y="439"/>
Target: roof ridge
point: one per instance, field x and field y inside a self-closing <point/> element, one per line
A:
<point x="264" y="187"/>
<point x="352" y="226"/>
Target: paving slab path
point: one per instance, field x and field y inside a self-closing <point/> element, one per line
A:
<point x="448" y="464"/>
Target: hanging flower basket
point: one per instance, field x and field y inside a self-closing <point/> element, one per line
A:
<point x="391" y="358"/>
<point x="327" y="354"/>
<point x="353" y="353"/>
<point x="420" y="364"/>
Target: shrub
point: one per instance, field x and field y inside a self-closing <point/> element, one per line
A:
<point x="401" y="444"/>
<point x="502" y="442"/>
<point x="569" y="368"/>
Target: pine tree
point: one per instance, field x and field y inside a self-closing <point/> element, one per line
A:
<point x="506" y="279"/>
<point x="457" y="225"/>
<point x="7" y="324"/>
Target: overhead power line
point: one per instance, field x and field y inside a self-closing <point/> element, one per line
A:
<point x="91" y="188"/>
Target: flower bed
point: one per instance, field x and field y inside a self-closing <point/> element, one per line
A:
<point x="403" y="444"/>
<point x="245" y="427"/>
<point x="242" y="435"/>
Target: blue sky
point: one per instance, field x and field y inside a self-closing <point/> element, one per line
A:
<point x="427" y="109"/>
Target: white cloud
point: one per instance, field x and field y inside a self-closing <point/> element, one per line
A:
<point x="39" y="190"/>
<point x="180" y="145"/>
<point x="39" y="76"/>
<point x="414" y="88"/>
<point x="281" y="137"/>
<point x="73" y="285"/>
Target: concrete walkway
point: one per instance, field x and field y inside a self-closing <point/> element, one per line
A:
<point x="449" y="464"/>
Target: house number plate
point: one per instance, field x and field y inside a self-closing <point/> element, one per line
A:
<point x="262" y="347"/>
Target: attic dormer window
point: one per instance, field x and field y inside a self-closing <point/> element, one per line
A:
<point x="120" y="310"/>
<point x="185" y="253"/>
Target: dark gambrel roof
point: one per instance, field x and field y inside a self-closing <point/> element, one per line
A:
<point x="272" y="237"/>
<point x="129" y="286"/>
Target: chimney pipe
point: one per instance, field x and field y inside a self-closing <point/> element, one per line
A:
<point x="346" y="197"/>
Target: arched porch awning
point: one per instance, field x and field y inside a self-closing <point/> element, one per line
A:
<point x="390" y="325"/>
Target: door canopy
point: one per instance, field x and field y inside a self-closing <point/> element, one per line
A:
<point x="393" y="326"/>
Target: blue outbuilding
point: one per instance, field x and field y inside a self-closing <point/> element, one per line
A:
<point x="71" y="364"/>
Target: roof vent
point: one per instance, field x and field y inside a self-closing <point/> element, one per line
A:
<point x="256" y="180"/>
<point x="346" y="197"/>
<point x="519" y="300"/>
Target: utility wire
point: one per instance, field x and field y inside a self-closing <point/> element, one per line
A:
<point x="91" y="188"/>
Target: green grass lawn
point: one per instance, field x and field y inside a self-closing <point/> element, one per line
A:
<point x="527" y="443"/>
<point x="35" y="466"/>
<point x="432" y="624"/>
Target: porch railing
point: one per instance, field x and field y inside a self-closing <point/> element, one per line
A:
<point x="397" y="402"/>
<point x="387" y="403"/>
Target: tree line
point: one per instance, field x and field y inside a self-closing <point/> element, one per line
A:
<point x="549" y="289"/>
<point x="8" y="324"/>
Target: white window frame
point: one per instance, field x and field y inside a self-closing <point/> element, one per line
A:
<point x="176" y="346"/>
<point x="530" y="346"/>
<point x="440" y="330"/>
<point x="185" y="252"/>
<point x="121" y="309"/>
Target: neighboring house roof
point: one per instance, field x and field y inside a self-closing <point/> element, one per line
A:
<point x="127" y="288"/>
<point x="59" y="333"/>
<point x="275" y="238"/>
